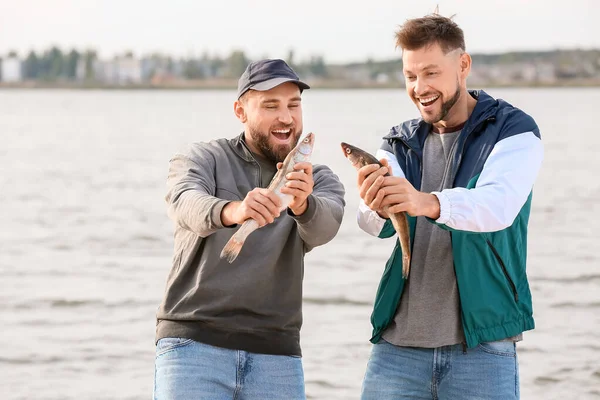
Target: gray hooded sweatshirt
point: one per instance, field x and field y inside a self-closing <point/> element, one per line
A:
<point x="255" y="303"/>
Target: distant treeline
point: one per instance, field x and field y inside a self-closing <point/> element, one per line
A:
<point x="57" y="64"/>
<point x="563" y="60"/>
<point x="53" y="63"/>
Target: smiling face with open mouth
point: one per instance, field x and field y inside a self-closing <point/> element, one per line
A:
<point x="273" y="120"/>
<point x="435" y="82"/>
<point x="434" y="107"/>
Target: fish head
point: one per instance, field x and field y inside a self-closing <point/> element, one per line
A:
<point x="357" y="157"/>
<point x="305" y="146"/>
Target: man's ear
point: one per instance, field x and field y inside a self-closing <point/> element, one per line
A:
<point x="240" y="111"/>
<point x="465" y="64"/>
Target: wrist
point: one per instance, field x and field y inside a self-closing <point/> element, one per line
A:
<point x="228" y="212"/>
<point x="431" y="207"/>
<point x="383" y="214"/>
<point x="301" y="208"/>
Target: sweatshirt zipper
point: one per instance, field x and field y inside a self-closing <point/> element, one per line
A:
<point x="418" y="156"/>
<point x="510" y="281"/>
<point x="257" y="164"/>
<point x="462" y="149"/>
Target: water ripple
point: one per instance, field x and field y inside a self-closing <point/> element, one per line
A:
<point x="576" y="305"/>
<point x="336" y="301"/>
<point x="75" y="303"/>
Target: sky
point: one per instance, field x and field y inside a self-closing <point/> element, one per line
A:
<point x="339" y="31"/>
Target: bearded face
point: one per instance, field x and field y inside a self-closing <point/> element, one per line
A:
<point x="272" y="120"/>
<point x="276" y="142"/>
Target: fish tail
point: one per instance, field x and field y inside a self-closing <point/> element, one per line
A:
<point x="232" y="249"/>
<point x="234" y="245"/>
<point x="406" y="248"/>
<point x="400" y="223"/>
<point x="405" y="265"/>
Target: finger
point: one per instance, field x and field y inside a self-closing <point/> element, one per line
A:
<point x="299" y="176"/>
<point x="264" y="213"/>
<point x="276" y="200"/>
<point x="305" y="166"/>
<point x="366" y="171"/>
<point x="384" y="162"/>
<point x="270" y="200"/>
<point x="396" y="181"/>
<point x="260" y="220"/>
<point x="373" y="190"/>
<point x="296" y="184"/>
<point x="393" y="199"/>
<point x="258" y="198"/>
<point x="378" y="172"/>
<point x="398" y="208"/>
<point x="370" y="186"/>
<point x="279" y="165"/>
<point x="298" y="194"/>
<point x="368" y="182"/>
<point x="376" y="204"/>
<point x="264" y="194"/>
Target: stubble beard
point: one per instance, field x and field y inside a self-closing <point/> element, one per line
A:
<point x="446" y="107"/>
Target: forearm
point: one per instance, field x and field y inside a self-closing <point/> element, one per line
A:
<point x="190" y="188"/>
<point x="226" y="216"/>
<point x="500" y="191"/>
<point x="320" y="222"/>
<point x="197" y="212"/>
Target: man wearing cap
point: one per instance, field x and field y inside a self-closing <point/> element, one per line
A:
<point x="232" y="331"/>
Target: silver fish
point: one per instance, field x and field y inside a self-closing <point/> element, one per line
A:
<point x="301" y="152"/>
<point x="359" y="158"/>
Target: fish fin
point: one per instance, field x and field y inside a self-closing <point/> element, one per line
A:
<point x="232" y="249"/>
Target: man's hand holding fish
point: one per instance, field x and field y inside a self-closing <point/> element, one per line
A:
<point x="260" y="204"/>
<point x="300" y="185"/>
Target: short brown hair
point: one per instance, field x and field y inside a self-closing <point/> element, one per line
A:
<point x="421" y="32"/>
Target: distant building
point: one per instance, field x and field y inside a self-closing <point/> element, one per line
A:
<point x="357" y="73"/>
<point x="81" y="71"/>
<point x="119" y="71"/>
<point x="546" y="73"/>
<point x="12" y="70"/>
<point x="128" y="70"/>
<point x="382" y="78"/>
<point x="156" y="69"/>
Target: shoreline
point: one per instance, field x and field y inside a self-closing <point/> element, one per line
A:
<point x="232" y="85"/>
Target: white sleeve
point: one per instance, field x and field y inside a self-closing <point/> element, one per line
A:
<point x="368" y="220"/>
<point x="501" y="191"/>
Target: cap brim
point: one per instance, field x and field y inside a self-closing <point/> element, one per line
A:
<point x="271" y="83"/>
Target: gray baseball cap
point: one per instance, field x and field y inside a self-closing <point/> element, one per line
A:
<point x="266" y="74"/>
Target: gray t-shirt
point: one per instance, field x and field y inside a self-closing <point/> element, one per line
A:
<point x="429" y="311"/>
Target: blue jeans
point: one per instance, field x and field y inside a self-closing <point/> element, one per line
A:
<point x="489" y="371"/>
<point x="186" y="369"/>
